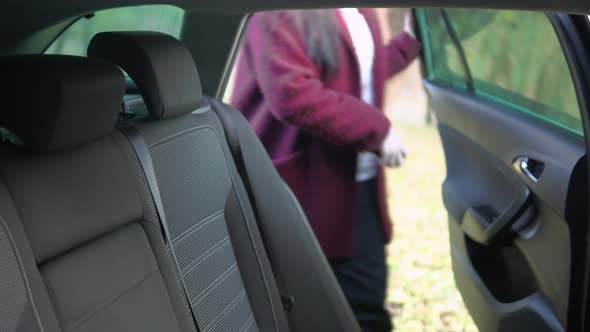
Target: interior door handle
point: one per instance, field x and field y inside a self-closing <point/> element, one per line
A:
<point x="485" y="226"/>
<point x="530" y="168"/>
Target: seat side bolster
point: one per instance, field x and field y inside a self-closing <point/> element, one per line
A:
<point x="298" y="263"/>
<point x="40" y="306"/>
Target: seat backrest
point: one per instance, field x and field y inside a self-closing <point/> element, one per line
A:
<point x="211" y="228"/>
<point x="200" y="184"/>
<point x="89" y="250"/>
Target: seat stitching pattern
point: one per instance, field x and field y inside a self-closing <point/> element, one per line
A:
<point x="225" y="311"/>
<point x="257" y="254"/>
<point x="212" y="251"/>
<point x="86" y="317"/>
<point x="215" y="284"/>
<point x="152" y="209"/>
<point x="200" y="149"/>
<point x="147" y="194"/>
<point x="22" y="271"/>
<point x="249" y="323"/>
<point x="169" y="139"/>
<point x="182" y="236"/>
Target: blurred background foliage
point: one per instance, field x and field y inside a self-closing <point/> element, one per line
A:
<point x="422" y="295"/>
<point x="510" y="54"/>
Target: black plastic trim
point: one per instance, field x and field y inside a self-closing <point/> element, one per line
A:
<point x="460" y="51"/>
<point x="484" y="132"/>
<point x="232" y="55"/>
<point x="574" y="35"/>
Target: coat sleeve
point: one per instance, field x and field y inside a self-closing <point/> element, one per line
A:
<point x="291" y="83"/>
<point x="400" y="52"/>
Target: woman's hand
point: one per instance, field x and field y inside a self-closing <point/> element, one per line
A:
<point x="393" y="151"/>
<point x="409" y="25"/>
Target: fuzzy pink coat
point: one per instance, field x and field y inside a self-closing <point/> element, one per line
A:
<point x="313" y="124"/>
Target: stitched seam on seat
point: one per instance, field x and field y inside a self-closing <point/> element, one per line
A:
<point x="235" y="177"/>
<point x="196" y="227"/>
<point x="256" y="250"/>
<point x="146" y="190"/>
<point x="106" y="304"/>
<point x="188" y="311"/>
<point x="23" y="272"/>
<point x="133" y="159"/>
<point x="207" y="254"/>
<point x="224" y="276"/>
<point x="226" y="310"/>
<point x="168" y="139"/>
<point x="249" y="322"/>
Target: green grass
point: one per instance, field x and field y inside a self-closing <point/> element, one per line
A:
<point x="422" y="294"/>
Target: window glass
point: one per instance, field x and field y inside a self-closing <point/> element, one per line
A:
<point x="74" y="41"/>
<point x="440" y="53"/>
<point x="514" y="57"/>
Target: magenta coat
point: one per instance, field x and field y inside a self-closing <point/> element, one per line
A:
<point x="313" y="124"/>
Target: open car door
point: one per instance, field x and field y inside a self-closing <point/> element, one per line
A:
<point x="505" y="89"/>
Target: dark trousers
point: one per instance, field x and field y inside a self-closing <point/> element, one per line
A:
<point x="364" y="277"/>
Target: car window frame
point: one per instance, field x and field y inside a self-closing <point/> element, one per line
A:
<point x="76" y="20"/>
<point x="461" y="83"/>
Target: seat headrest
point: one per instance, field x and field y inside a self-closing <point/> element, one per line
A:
<point x="57" y="101"/>
<point x="160" y="65"/>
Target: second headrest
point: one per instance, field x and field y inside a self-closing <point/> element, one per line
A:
<point x="160" y="65"/>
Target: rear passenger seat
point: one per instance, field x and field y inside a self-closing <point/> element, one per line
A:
<point x="101" y="262"/>
<point x="81" y="244"/>
<point x="212" y="230"/>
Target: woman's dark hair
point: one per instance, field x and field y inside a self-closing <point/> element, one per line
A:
<point x="318" y="29"/>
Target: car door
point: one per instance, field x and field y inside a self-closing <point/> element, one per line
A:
<point x="506" y="90"/>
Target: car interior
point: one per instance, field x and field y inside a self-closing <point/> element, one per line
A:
<point x="132" y="198"/>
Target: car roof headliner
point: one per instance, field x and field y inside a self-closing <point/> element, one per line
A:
<point x="20" y="18"/>
<point x="19" y="15"/>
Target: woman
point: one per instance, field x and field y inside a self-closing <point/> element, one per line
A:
<point x="311" y="84"/>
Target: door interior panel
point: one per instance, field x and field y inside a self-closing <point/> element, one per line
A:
<point x="517" y="277"/>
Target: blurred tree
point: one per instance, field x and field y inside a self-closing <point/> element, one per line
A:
<point x="405" y="99"/>
<point x="513" y="56"/>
